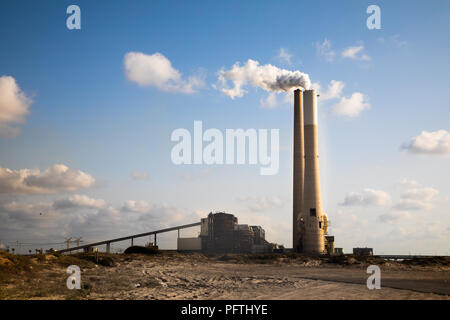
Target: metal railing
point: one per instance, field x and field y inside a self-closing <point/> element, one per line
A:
<point x="132" y="237"/>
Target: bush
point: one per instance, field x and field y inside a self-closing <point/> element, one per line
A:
<point x="140" y="249"/>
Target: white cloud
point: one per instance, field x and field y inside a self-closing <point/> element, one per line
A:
<point x="352" y="106"/>
<point x="79" y="201"/>
<point x="139" y="175"/>
<point x="367" y="197"/>
<point x="26" y="208"/>
<point x="51" y="220"/>
<point x="136" y="206"/>
<point x="267" y="77"/>
<point x="408" y="183"/>
<point x="54" y="179"/>
<point x="419" y="198"/>
<point x="157" y="71"/>
<point x="355" y="53"/>
<point x="436" y="142"/>
<point x="324" y="50"/>
<point x="14" y="106"/>
<point x="425" y="194"/>
<point x="334" y="90"/>
<point x="284" y="56"/>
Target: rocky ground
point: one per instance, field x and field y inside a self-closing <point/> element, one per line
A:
<point x="170" y="275"/>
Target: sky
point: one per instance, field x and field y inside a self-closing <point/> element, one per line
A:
<point x="86" y="118"/>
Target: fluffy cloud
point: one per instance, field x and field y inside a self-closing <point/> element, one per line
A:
<point x="334" y="90"/>
<point x="324" y="50"/>
<point x="347" y="107"/>
<point x="417" y="199"/>
<point x="352" y="106"/>
<point x="408" y="183"/>
<point x="437" y="143"/>
<point x="34" y="218"/>
<point x="14" y="106"/>
<point x="136" y="206"/>
<point x="355" y="53"/>
<point x="79" y="201"/>
<point x="26" y="209"/>
<point x="424" y="194"/>
<point x="367" y="197"/>
<point x="52" y="220"/>
<point x="267" y="77"/>
<point x="157" y="71"/>
<point x="54" y="179"/>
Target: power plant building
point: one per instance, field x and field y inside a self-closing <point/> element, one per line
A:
<point x="221" y="233"/>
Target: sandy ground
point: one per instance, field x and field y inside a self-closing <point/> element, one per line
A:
<point x="195" y="276"/>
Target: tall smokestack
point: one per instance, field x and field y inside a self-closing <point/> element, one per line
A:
<point x="312" y="220"/>
<point x="299" y="166"/>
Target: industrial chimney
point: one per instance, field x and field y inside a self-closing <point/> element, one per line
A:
<point x="299" y="166"/>
<point x="312" y="222"/>
<point x="309" y="222"/>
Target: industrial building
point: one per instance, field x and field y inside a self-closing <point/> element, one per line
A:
<point x="310" y="223"/>
<point x="363" y="251"/>
<point x="221" y="233"/>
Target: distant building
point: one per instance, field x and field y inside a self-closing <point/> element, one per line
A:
<point x="189" y="244"/>
<point x="221" y="233"/>
<point x="329" y="244"/>
<point x="338" y="251"/>
<point x="363" y="251"/>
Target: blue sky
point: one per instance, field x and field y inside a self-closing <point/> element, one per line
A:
<point x="88" y="115"/>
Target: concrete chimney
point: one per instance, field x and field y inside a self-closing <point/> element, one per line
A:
<point x="299" y="166"/>
<point x="311" y="225"/>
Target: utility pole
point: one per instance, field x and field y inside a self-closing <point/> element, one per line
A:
<point x="68" y="240"/>
<point x="78" y="240"/>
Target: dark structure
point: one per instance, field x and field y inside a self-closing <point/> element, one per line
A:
<point x="221" y="233"/>
<point x="329" y="244"/>
<point x="363" y="251"/>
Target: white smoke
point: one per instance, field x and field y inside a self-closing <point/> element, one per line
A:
<point x="267" y="77"/>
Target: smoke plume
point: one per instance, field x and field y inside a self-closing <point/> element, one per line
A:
<point x="267" y="77"/>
